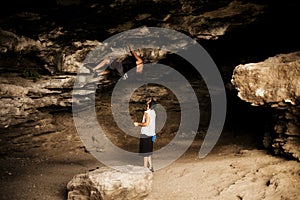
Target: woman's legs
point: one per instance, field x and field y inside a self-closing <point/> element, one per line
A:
<point x="150" y="161"/>
<point x="146" y="147"/>
<point x="145" y="161"/>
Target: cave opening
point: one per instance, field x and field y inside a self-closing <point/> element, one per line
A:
<point x="268" y="35"/>
<point x="244" y="125"/>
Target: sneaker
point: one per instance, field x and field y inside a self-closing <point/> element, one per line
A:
<point x="151" y="169"/>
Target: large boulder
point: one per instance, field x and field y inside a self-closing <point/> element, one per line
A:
<point x="275" y="82"/>
<point x="120" y="182"/>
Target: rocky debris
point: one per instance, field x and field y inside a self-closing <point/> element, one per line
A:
<point x="275" y="83"/>
<point x="121" y="182"/>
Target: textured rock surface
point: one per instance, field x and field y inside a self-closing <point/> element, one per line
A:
<point x="123" y="182"/>
<point x="275" y="82"/>
<point x="21" y="98"/>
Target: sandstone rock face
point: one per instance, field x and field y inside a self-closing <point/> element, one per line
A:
<point x="122" y="182"/>
<point x="275" y="82"/>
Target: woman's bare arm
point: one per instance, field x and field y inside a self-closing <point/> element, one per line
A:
<point x="143" y="124"/>
<point x="137" y="57"/>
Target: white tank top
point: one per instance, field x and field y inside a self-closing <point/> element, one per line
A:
<point x="150" y="129"/>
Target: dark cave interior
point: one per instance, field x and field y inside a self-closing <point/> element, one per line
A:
<point x="271" y="34"/>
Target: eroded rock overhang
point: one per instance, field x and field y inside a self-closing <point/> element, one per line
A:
<point x="275" y="83"/>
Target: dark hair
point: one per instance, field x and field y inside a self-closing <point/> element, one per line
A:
<point x="151" y="103"/>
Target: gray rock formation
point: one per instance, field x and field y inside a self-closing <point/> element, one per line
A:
<point x="275" y="83"/>
<point x="123" y="183"/>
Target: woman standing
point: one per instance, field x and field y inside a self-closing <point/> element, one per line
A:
<point x="147" y="134"/>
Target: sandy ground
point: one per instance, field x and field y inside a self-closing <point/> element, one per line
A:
<point x="235" y="169"/>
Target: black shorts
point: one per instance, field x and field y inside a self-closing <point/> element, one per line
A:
<point x="117" y="66"/>
<point x="146" y="145"/>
